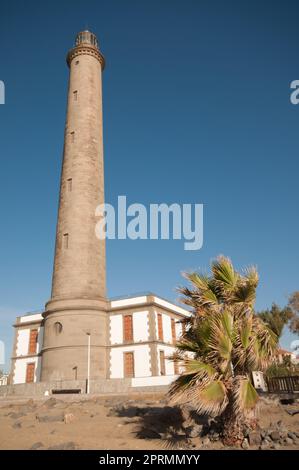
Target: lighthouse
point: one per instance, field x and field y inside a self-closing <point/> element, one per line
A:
<point x="82" y="340"/>
<point x="76" y="314"/>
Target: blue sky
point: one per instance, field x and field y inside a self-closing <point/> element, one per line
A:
<point x="196" y="110"/>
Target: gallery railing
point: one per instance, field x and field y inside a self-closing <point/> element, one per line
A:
<point x="287" y="384"/>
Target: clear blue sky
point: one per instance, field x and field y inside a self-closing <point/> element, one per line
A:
<point x="196" y="109"/>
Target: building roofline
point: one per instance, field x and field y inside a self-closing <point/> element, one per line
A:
<point x="150" y="298"/>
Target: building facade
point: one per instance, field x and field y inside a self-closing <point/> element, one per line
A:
<point x="81" y="334"/>
<point x="143" y="331"/>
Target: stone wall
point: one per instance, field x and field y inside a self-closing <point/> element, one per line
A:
<point x="97" y="387"/>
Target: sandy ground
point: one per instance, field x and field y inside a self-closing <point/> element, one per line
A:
<point x="39" y="424"/>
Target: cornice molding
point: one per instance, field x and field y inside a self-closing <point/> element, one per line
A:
<point x="85" y="50"/>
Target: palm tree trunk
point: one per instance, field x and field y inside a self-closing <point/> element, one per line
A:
<point x="232" y="423"/>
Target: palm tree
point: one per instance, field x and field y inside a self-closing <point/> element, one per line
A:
<point x="223" y="342"/>
<point x="276" y="318"/>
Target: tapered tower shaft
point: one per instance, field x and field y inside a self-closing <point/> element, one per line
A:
<point x="79" y="266"/>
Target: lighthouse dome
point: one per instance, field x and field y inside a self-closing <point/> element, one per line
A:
<point x="87" y="37"/>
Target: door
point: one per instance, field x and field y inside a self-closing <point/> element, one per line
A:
<point x="30" y="372"/>
<point x="162" y="363"/>
<point x="129" y="364"/>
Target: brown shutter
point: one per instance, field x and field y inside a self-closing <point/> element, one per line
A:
<point x="128" y="328"/>
<point x="30" y="372"/>
<point x="32" y="342"/>
<point x="160" y="327"/>
<point x="162" y="363"/>
<point x="173" y="332"/>
<point x="129" y="364"/>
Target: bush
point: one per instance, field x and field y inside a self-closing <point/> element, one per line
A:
<point x="281" y="370"/>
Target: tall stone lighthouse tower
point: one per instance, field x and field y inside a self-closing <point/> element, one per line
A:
<point x="77" y="311"/>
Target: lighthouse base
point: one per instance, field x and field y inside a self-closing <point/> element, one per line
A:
<point x="68" y="327"/>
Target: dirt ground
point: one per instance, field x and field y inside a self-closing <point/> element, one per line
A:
<point x="78" y="422"/>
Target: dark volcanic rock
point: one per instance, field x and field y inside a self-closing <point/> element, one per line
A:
<point x="275" y="435"/>
<point x="50" y="403"/>
<point x="254" y="438"/>
<point x="17" y="425"/>
<point x="245" y="444"/>
<point x="47" y="418"/>
<point x="194" y="430"/>
<point x="37" y="445"/>
<point x="14" y="415"/>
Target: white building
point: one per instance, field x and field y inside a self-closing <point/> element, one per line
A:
<point x="3" y="379"/>
<point x="142" y="335"/>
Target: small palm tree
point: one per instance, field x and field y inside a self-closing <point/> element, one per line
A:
<point x="223" y="342"/>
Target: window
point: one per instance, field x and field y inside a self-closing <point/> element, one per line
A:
<point x="176" y="368"/>
<point x="173" y="332"/>
<point x="32" y="341"/>
<point x="129" y="370"/>
<point x="30" y="372"/>
<point x="77" y="62"/>
<point x="162" y="362"/>
<point x="75" y="94"/>
<point x="128" y="328"/>
<point x="65" y="240"/>
<point x="73" y="137"/>
<point x="57" y="327"/>
<point x="69" y="184"/>
<point x="160" y="327"/>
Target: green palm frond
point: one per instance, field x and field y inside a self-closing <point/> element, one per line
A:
<point x="179" y="390"/>
<point x="194" y="366"/>
<point x="186" y="345"/>
<point x="221" y="335"/>
<point x="245" y="332"/>
<point x="199" y="281"/>
<point x="251" y="276"/>
<point x="245" y="395"/>
<point x="223" y="272"/>
<point x="227" y="323"/>
<point x="211" y="399"/>
<point x="244" y="294"/>
<point x="209" y="297"/>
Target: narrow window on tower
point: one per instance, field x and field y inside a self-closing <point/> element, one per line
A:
<point x="73" y="137"/>
<point x="57" y="328"/>
<point x="75" y="93"/>
<point x="77" y="62"/>
<point x="69" y="184"/>
<point x="65" y="240"/>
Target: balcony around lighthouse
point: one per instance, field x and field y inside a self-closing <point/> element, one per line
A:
<point x="86" y="43"/>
